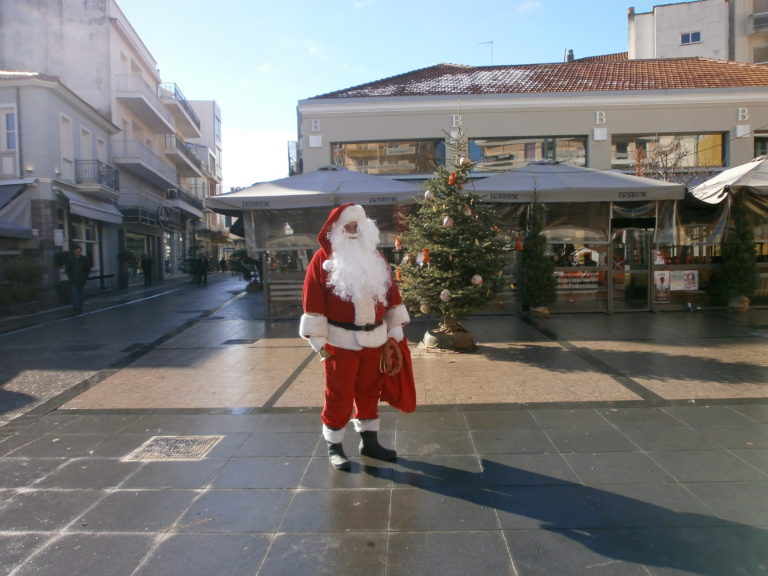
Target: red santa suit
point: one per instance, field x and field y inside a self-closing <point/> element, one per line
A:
<point x="350" y="329"/>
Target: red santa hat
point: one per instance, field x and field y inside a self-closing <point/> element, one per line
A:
<point x="341" y="215"/>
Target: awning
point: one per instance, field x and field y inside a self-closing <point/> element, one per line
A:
<point x="322" y="188"/>
<point x="9" y="230"/>
<point x="9" y="191"/>
<point x="15" y="215"/>
<point x="554" y="182"/>
<point x="91" y="208"/>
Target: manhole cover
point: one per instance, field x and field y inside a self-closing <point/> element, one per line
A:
<point x="241" y="341"/>
<point x="174" y="448"/>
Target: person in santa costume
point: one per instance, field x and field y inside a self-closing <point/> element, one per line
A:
<point x="352" y="312"/>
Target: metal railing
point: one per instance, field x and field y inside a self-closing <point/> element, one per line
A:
<point x="173" y="142"/>
<point x="172" y="91"/>
<point x="96" y="172"/>
<point x="179" y="194"/>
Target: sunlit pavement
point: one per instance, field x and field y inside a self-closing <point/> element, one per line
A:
<point x="617" y="444"/>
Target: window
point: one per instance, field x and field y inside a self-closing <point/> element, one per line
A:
<point x="690" y="38"/>
<point x="500" y="154"/>
<point x="645" y="154"/>
<point x="8" y="131"/>
<point x="389" y="157"/>
<point x="67" y="146"/>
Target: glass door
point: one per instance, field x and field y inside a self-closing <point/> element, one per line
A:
<point x="629" y="276"/>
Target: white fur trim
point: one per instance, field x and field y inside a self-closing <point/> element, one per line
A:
<point x="313" y="325"/>
<point x="333" y="436"/>
<point x="317" y="342"/>
<point x="327" y="265"/>
<point x="365" y="311"/>
<point x="396" y="333"/>
<point x="356" y="339"/>
<point x="397" y="316"/>
<point x="354" y="213"/>
<point x="371" y="425"/>
<point x="372" y="339"/>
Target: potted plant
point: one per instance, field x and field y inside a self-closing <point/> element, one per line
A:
<point x="738" y="277"/>
<point x="537" y="285"/>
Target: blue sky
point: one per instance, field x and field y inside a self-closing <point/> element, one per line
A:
<point x="258" y="58"/>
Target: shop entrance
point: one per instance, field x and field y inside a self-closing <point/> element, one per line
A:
<point x="630" y="275"/>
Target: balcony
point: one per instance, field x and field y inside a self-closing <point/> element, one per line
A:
<point x="98" y="178"/>
<point x="187" y="121"/>
<point x="187" y="163"/>
<point x="760" y="22"/>
<point x="142" y="99"/>
<point x="185" y="202"/>
<point x="142" y="207"/>
<point x="137" y="158"/>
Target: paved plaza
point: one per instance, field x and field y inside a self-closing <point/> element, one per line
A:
<point x="174" y="430"/>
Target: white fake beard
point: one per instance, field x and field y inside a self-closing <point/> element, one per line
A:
<point x="358" y="272"/>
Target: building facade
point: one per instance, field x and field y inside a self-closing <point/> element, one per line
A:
<point x="680" y="119"/>
<point x="723" y="29"/>
<point x="158" y="159"/>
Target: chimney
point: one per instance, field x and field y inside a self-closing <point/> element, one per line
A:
<point x="570" y="55"/>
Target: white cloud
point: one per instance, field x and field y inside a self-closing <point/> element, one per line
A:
<point x="251" y="156"/>
<point x="530" y="6"/>
<point x="267" y="67"/>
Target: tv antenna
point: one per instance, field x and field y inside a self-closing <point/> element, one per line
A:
<point x="491" y="44"/>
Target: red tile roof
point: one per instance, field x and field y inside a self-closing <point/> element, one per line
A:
<point x="593" y="75"/>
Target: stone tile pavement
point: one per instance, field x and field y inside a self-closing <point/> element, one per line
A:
<point x="608" y="444"/>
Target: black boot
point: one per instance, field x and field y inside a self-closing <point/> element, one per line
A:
<point x="369" y="446"/>
<point x="337" y="457"/>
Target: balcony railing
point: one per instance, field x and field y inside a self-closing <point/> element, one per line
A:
<point x="176" y="144"/>
<point x="179" y="194"/>
<point x="140" y="159"/>
<point x="171" y="90"/>
<point x="96" y="172"/>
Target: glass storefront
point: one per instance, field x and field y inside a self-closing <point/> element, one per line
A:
<point x="501" y="154"/>
<point x="661" y="154"/>
<point x="389" y="157"/>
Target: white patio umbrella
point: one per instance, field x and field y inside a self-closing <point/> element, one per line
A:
<point x="753" y="174"/>
<point x="325" y="187"/>
<point x="556" y="182"/>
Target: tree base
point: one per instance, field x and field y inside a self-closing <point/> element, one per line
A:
<point x="540" y="312"/>
<point x="738" y="304"/>
<point x="450" y="336"/>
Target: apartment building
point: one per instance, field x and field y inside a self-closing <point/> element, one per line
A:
<point x="164" y="163"/>
<point x="724" y="29"/>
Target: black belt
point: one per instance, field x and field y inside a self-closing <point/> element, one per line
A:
<point x="355" y="327"/>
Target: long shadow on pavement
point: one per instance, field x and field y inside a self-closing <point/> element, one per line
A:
<point x="610" y="525"/>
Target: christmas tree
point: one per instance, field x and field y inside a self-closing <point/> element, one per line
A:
<point x="455" y="256"/>
<point x="537" y="285"/>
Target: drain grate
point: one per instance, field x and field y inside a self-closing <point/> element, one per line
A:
<point x="241" y="341"/>
<point x="174" y="448"/>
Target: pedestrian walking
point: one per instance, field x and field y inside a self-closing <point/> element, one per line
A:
<point x="77" y="269"/>
<point x="203" y="265"/>
<point x="352" y="308"/>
